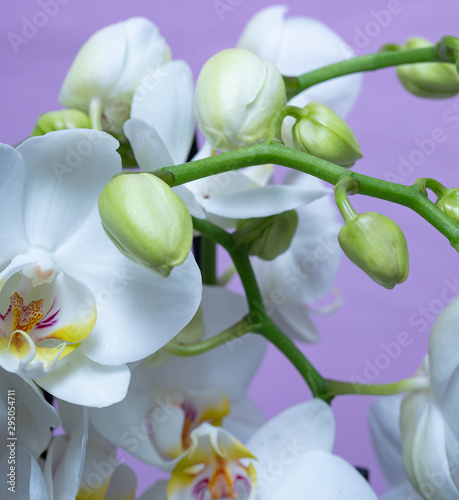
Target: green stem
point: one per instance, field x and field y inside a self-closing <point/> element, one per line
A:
<point x="264" y="152"/>
<point x="258" y="317"/>
<point x="436" y="187"/>
<point x="368" y="62"/>
<point x="227" y="276"/>
<point x="344" y="186"/>
<point x="208" y="261"/>
<point x="334" y="388"/>
<point x="237" y="330"/>
<point x="95" y="113"/>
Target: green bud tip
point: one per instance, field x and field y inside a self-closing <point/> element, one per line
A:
<point x="449" y="203"/>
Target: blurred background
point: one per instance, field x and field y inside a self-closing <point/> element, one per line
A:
<point x="392" y="127"/>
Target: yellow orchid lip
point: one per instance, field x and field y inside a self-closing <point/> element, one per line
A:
<point x="212" y="467"/>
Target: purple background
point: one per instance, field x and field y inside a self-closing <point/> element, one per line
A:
<point x="388" y="122"/>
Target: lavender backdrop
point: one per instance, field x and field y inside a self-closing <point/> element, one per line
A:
<point x="389" y="123"/>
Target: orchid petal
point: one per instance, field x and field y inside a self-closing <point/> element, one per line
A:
<point x="80" y="381"/>
<point x="166" y="104"/>
<point x="65" y="172"/>
<point x="190" y="201"/>
<point x="30" y="483"/>
<point x="424" y="433"/>
<point x="262" y="202"/>
<point x="297" y="430"/>
<point x="255" y="37"/>
<point x="149" y="149"/>
<point x="12" y="239"/>
<point x="402" y="492"/>
<point x="113" y="62"/>
<point x="385" y="434"/>
<point x="122" y="484"/>
<point x="221" y="309"/>
<point x="316" y="475"/>
<point x="34" y="415"/>
<point x="65" y="458"/>
<point x="157" y="492"/>
<point x="244" y="420"/>
<point x="122" y="288"/>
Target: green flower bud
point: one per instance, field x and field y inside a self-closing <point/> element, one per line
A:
<point x="147" y="221"/>
<point x="431" y="80"/>
<point x="237" y="94"/>
<point x="377" y="245"/>
<point x="449" y="203"/>
<point x="268" y="237"/>
<point x="61" y="120"/>
<point x="322" y="133"/>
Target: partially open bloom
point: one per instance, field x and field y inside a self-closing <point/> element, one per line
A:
<point x="71" y="306"/>
<point x="237" y="95"/>
<point x="111" y="65"/>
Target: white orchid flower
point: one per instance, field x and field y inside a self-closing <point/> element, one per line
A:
<point x="82" y="464"/>
<point x="166" y="403"/>
<point x="297" y="45"/>
<point x="306" y="271"/>
<point x="384" y="424"/>
<point x="72" y="308"/>
<point x="293" y="459"/>
<point x="429" y="426"/>
<point x="110" y="66"/>
<point x="24" y="407"/>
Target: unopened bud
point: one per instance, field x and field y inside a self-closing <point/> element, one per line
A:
<point x="378" y="246"/>
<point x="322" y="133"/>
<point x="449" y="203"/>
<point x="147" y="221"/>
<point x="60" y="120"/>
<point x="269" y="237"/>
<point x="431" y="80"/>
<point x="237" y="94"/>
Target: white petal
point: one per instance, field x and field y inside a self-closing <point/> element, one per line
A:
<point x="190" y="201"/>
<point x="12" y="240"/>
<point x="443" y="360"/>
<point x="122" y="485"/>
<point x="221" y="309"/>
<point x="149" y="149"/>
<point x="297" y="430"/>
<point x="34" y="416"/>
<point x="402" y="492"/>
<point x="65" y="172"/>
<point x="262" y="202"/>
<point x="315" y="475"/>
<point x="385" y="434"/>
<point x="157" y="492"/>
<point x="137" y="311"/>
<point x="424" y="433"/>
<point x="262" y="34"/>
<point x="113" y="61"/>
<point x="65" y="459"/>
<point x="245" y="418"/>
<point x="164" y="100"/>
<point x="80" y="381"/>
<point x="129" y="425"/>
<point x="29" y="482"/>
